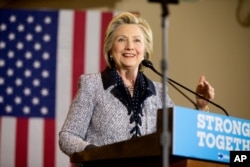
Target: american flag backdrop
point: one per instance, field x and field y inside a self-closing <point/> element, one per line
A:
<point x="42" y="54"/>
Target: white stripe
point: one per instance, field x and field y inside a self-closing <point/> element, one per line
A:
<point x="35" y="142"/>
<point x="8" y="142"/>
<point x="64" y="76"/>
<point x="93" y="32"/>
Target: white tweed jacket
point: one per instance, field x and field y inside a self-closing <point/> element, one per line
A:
<point x="97" y="117"/>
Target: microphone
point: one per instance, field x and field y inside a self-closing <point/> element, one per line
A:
<point x="149" y="64"/>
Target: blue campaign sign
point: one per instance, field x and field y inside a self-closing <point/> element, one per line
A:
<point x="208" y="136"/>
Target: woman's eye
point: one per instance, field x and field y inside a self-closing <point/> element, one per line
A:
<point x="121" y="39"/>
<point x="137" y="40"/>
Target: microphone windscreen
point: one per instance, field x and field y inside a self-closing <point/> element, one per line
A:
<point x="147" y="63"/>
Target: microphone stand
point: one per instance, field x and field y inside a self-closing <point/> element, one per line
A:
<point x="165" y="136"/>
<point x="148" y="64"/>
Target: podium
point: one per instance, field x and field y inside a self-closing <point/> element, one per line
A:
<point x="145" y="151"/>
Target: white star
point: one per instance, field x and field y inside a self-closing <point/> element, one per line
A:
<point x="1" y="81"/>
<point x="3" y="27"/>
<point x="18" y="82"/>
<point x="18" y="100"/>
<point x="37" y="46"/>
<point x="45" y="92"/>
<point x="11" y="36"/>
<point x="27" y="73"/>
<point x="29" y="37"/>
<point x="38" y="28"/>
<point x="45" y="55"/>
<point x="36" y="82"/>
<point x="28" y="55"/>
<point x="35" y="100"/>
<point x="8" y="109"/>
<point x="1" y="99"/>
<point x="47" y="20"/>
<point x="26" y="91"/>
<point x="9" y="90"/>
<point x="45" y="74"/>
<point x="12" y="18"/>
<point x="2" y="45"/>
<point x="44" y="110"/>
<point x="19" y="63"/>
<point x="10" y="72"/>
<point x="2" y="63"/>
<point x="26" y="110"/>
<point x="20" y="28"/>
<point x="36" y="64"/>
<point x="30" y="19"/>
<point x="19" y="46"/>
<point x="11" y="54"/>
<point x="46" y="38"/>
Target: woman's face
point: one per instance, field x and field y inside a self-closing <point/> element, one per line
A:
<point x="128" y="47"/>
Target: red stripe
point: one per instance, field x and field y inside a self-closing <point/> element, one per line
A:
<point x="21" y="152"/>
<point x="78" y="48"/>
<point x="49" y="143"/>
<point x="106" y="17"/>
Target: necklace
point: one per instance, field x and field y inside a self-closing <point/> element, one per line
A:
<point x="131" y="89"/>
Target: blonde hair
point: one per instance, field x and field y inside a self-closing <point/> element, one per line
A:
<point x="127" y="18"/>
